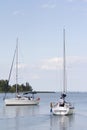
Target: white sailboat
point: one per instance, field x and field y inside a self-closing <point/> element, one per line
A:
<point x="20" y="100"/>
<point x="62" y="107"/>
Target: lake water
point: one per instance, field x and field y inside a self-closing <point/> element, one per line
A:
<point x="39" y="117"/>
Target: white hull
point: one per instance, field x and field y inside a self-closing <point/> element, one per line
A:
<point x="67" y="109"/>
<point x="21" y="101"/>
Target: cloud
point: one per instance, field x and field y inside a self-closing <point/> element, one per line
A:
<point x="85" y="0"/>
<point x="57" y="63"/>
<point x="35" y="76"/>
<point x="51" y="64"/>
<point x="76" y="59"/>
<point x="77" y="0"/>
<point x="50" y="6"/>
<point x="22" y="66"/>
<point x="70" y="0"/>
<point x="17" y="12"/>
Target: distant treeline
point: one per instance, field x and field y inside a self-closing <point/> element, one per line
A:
<point x="5" y="87"/>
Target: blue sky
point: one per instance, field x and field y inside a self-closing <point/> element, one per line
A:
<point x="39" y="26"/>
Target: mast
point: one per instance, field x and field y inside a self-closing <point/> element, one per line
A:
<point x="64" y="63"/>
<point x="16" y="65"/>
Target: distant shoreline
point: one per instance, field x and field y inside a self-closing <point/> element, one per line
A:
<point x="50" y="92"/>
<point x="33" y="91"/>
<point x="45" y="91"/>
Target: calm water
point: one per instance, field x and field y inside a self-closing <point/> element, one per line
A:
<point x="40" y="118"/>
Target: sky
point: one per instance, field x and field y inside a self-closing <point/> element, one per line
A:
<point x="39" y="24"/>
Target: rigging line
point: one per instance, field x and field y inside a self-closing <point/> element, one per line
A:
<point x="10" y="73"/>
<point x="11" y="66"/>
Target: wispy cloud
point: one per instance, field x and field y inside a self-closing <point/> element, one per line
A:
<point x="35" y="76"/>
<point x="17" y="12"/>
<point x="57" y="63"/>
<point x="85" y="0"/>
<point x="70" y="0"/>
<point x="50" y="6"/>
<point x="22" y="66"/>
<point x="54" y="63"/>
<point x="51" y="64"/>
<point x="76" y="0"/>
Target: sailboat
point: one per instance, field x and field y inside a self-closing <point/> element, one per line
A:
<point x="18" y="99"/>
<point x="62" y="107"/>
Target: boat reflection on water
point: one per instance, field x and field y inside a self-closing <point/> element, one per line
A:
<point x="11" y="112"/>
<point x="18" y="117"/>
<point x="61" y="122"/>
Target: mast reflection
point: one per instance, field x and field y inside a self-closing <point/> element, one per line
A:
<point x="61" y="122"/>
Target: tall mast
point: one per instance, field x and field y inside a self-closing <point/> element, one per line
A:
<point x="64" y="63"/>
<point x="16" y="65"/>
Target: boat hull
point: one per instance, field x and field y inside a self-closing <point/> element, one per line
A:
<point x="62" y="110"/>
<point x="21" y="102"/>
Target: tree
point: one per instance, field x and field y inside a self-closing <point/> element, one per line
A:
<point x="5" y="87"/>
<point x="28" y="87"/>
